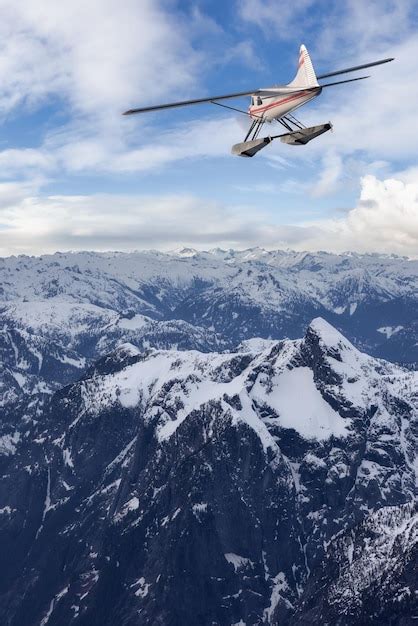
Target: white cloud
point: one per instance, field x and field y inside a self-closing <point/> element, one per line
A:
<point x="76" y="148"/>
<point x="35" y="224"/>
<point x="13" y="194"/>
<point x="98" y="59"/>
<point x="98" y="56"/>
<point x="386" y="217"/>
<point x="330" y="175"/>
<point x="378" y="115"/>
<point x="334" y="29"/>
<point x="24" y="161"/>
<point x="275" y="17"/>
<point x="355" y="27"/>
<point x="202" y="138"/>
<point x="384" y="220"/>
<point x="409" y="175"/>
<point x="94" y="59"/>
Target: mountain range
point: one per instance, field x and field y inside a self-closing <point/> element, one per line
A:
<point x="188" y="438"/>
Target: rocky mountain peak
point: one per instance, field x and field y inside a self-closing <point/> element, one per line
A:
<point x="327" y="335"/>
<point x="170" y="485"/>
<point x="323" y="338"/>
<point x="185" y="252"/>
<point x="329" y="354"/>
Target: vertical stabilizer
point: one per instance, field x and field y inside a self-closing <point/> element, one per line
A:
<point x="305" y="76"/>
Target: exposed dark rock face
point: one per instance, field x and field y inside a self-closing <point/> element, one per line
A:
<point x="272" y="484"/>
<point x="369" y="574"/>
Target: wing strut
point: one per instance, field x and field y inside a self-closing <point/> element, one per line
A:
<point x="225" y="106"/>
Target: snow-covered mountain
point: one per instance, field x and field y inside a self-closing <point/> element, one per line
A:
<point x="272" y="483"/>
<point x="229" y="295"/>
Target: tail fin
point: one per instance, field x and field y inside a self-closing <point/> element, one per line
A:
<point x="305" y="76"/>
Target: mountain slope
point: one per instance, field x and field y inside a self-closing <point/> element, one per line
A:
<point x="172" y="487"/>
<point x="369" y="574"/>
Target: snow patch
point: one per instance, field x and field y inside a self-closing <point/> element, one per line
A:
<point x="389" y="330"/>
<point x="176" y="512"/>
<point x="299" y="405"/>
<point x="132" y="504"/>
<point x="52" y="605"/>
<point x="66" y="454"/>
<point x="143" y="587"/>
<point x="134" y="323"/>
<point x="6" y="510"/>
<point x="237" y="561"/>
<point x="199" y="509"/>
<point x="280" y="585"/>
<point x="8" y="444"/>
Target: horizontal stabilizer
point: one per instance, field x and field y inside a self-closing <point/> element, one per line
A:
<point x="355" y="68"/>
<point x="303" y="136"/>
<point x="343" y="82"/>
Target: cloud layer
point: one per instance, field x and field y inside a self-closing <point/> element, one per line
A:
<point x="384" y="220"/>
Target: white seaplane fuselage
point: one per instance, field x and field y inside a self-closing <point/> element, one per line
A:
<point x="273" y="107"/>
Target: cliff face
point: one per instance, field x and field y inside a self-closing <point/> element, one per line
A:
<point x="369" y="574"/>
<point x="255" y="486"/>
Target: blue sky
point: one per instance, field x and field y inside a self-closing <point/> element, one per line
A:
<point x="75" y="174"/>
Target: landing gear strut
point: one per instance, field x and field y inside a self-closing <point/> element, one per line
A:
<point x="254" y="130"/>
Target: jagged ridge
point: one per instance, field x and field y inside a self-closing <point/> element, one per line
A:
<point x="183" y="487"/>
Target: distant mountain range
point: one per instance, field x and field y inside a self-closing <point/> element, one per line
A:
<point x="230" y="296"/>
<point x="172" y="453"/>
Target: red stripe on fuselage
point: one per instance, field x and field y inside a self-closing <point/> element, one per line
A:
<point x="278" y="102"/>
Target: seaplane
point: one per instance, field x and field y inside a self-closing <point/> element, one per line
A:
<point x="276" y="104"/>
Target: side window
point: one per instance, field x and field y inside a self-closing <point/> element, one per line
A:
<point x="259" y="101"/>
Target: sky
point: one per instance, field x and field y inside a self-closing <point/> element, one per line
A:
<point x="77" y="175"/>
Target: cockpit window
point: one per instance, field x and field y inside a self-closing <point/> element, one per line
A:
<point x="259" y="101"/>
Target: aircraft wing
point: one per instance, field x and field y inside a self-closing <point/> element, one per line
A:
<point x="272" y="91"/>
<point x="183" y="103"/>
